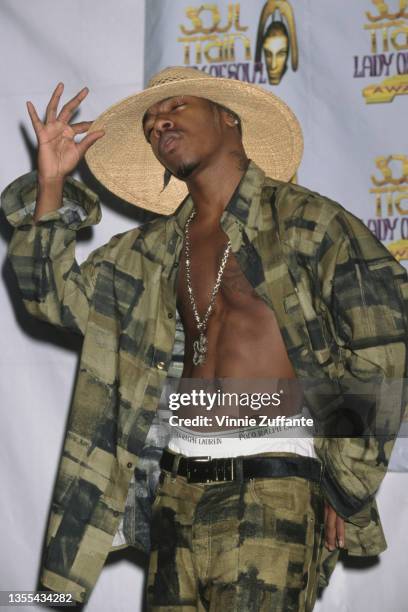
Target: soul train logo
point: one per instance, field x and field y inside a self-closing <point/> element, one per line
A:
<point x="390" y="189"/>
<point x="215" y="41"/>
<point x="387" y="28"/>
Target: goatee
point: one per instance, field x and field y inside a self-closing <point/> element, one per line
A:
<point x="185" y="170"/>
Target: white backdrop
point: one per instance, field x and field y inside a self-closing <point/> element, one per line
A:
<point x="98" y="44"/>
<point x="101" y="45"/>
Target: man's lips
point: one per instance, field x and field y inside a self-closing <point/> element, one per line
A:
<point x="167" y="141"/>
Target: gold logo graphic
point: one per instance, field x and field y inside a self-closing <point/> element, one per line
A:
<point x="399" y="249"/>
<point x="390" y="186"/>
<point x="207" y="39"/>
<point x="384" y="11"/>
<point x="388" y="31"/>
<point x="387" y="90"/>
<point x="277" y="40"/>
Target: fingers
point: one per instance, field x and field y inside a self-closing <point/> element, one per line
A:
<point x="89" y="140"/>
<point x="330" y="528"/>
<point x="71" y="105"/>
<point x="52" y="107"/>
<point x="334" y="528"/>
<point x="340" y="528"/>
<point x="82" y="126"/>
<point x="35" y="120"/>
<point x="66" y="112"/>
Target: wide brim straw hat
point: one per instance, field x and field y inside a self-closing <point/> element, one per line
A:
<point x="123" y="161"/>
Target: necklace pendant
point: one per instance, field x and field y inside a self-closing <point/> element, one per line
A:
<point x="200" y="349"/>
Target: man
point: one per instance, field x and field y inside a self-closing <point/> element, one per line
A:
<point x="270" y="280"/>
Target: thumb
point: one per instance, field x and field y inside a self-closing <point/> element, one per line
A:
<point x="89" y="140"/>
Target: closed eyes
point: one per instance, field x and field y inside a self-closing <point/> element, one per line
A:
<point x="177" y="104"/>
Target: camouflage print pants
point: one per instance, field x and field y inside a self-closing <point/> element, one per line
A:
<point x="248" y="546"/>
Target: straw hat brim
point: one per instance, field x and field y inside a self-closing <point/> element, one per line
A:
<point x="123" y="161"/>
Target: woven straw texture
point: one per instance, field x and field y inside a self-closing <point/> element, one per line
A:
<point x="123" y="161"/>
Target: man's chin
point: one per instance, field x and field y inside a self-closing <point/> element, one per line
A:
<point x="185" y="170"/>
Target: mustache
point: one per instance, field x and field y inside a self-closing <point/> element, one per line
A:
<point x="165" y="136"/>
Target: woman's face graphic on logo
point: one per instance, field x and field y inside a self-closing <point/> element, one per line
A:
<point x="276" y="51"/>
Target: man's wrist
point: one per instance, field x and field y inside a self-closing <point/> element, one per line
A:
<point x="50" y="182"/>
<point x="49" y="196"/>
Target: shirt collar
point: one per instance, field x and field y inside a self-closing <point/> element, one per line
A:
<point x="242" y="211"/>
<point x="243" y="207"/>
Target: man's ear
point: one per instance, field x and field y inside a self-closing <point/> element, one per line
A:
<point x="229" y="119"/>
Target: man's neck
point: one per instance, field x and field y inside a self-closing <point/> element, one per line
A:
<point x="212" y="188"/>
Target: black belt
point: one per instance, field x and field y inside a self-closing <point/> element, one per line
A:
<point x="205" y="469"/>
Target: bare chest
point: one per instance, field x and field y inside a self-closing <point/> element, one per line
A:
<point x="241" y="325"/>
<point x="234" y="292"/>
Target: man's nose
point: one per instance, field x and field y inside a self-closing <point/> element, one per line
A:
<point x="162" y="124"/>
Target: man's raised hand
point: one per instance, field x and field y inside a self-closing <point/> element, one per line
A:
<point x="58" y="153"/>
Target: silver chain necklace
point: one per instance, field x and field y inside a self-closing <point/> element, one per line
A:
<point x="200" y="345"/>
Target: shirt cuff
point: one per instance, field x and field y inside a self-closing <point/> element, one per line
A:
<point x="80" y="206"/>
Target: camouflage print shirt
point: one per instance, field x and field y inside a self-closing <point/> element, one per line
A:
<point x="339" y="297"/>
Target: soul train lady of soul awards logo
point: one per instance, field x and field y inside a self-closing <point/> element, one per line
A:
<point x="215" y="41"/>
<point x="390" y="190"/>
<point x="387" y="62"/>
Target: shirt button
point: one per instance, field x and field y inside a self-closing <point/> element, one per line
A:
<point x="170" y="315"/>
<point x="160" y="365"/>
<point x="115" y="513"/>
<point x="175" y="265"/>
<point x="129" y="465"/>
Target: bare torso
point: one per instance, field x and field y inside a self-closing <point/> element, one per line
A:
<point x="244" y="339"/>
